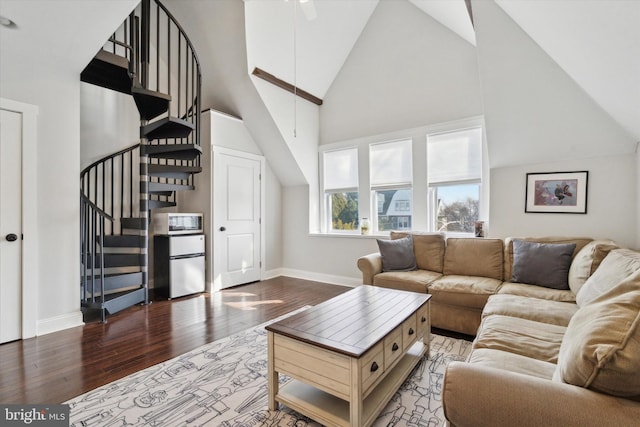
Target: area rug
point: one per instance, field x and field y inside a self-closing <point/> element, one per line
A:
<point x="224" y="383"/>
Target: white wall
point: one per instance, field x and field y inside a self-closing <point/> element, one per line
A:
<point x="56" y="92"/>
<point x="318" y="257"/>
<point x="611" y="203"/>
<point x="406" y="70"/>
<point x="109" y="122"/>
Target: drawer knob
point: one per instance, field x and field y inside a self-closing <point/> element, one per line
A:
<point x="394" y="347"/>
<point x="374" y="367"/>
<point x="424" y="319"/>
<point x="411" y="331"/>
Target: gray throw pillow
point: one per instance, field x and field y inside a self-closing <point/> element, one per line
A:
<point x="543" y="264"/>
<point x="397" y="255"/>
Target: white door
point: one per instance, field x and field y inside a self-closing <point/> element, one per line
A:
<point x="10" y="226"/>
<point x="236" y="218"/>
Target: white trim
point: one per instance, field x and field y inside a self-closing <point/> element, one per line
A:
<point x="30" y="253"/>
<point x="58" y="323"/>
<point x="321" y="277"/>
<point x="272" y="274"/>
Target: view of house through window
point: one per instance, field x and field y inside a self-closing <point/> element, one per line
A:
<point x="391" y="185"/>
<point x="451" y="173"/>
<point x="454" y="170"/>
<point x="341" y="189"/>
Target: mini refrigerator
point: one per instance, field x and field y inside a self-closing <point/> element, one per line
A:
<point x="178" y="265"/>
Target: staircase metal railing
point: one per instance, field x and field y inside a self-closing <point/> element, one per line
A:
<point x="92" y="230"/>
<point x="110" y="184"/>
<point x="161" y="59"/>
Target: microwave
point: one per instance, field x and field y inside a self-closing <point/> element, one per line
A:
<point x="169" y="223"/>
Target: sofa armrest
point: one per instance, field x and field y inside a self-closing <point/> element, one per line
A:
<point x="476" y="396"/>
<point x="370" y="265"/>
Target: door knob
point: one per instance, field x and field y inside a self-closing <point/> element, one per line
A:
<point x="223" y="229"/>
<point x="11" y="237"/>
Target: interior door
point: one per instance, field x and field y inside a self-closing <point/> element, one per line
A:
<point x="236" y="218"/>
<point x="10" y="226"/>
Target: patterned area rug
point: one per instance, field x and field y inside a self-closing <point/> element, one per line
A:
<point x="224" y="384"/>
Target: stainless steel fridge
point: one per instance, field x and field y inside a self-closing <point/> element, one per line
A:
<point x="179" y="265"/>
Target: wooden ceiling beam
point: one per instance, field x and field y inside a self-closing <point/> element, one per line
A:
<point x="286" y="86"/>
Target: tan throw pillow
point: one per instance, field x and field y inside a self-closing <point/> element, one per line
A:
<point x="428" y="248"/>
<point x="618" y="265"/>
<point x="586" y="262"/>
<point x="474" y="257"/>
<point x="601" y="345"/>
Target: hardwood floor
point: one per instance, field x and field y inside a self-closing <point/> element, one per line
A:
<point x="59" y="366"/>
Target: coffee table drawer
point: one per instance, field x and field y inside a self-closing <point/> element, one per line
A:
<point x="392" y="347"/>
<point x="409" y="331"/>
<point x="372" y="366"/>
<point x="424" y="320"/>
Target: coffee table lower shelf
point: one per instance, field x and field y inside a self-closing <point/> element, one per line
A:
<point x="333" y="411"/>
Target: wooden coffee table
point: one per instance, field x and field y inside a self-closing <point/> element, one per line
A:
<point x="348" y="355"/>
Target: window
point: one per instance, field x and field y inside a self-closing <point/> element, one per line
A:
<point x="391" y="175"/>
<point x="454" y="173"/>
<point x="341" y="189"/>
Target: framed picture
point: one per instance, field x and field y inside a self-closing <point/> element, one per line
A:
<point x="557" y="192"/>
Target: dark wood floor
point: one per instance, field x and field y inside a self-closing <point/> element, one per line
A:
<point x="56" y="367"/>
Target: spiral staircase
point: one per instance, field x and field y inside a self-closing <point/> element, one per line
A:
<point x="150" y="58"/>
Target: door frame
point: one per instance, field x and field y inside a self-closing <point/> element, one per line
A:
<point x="30" y="261"/>
<point x="217" y="150"/>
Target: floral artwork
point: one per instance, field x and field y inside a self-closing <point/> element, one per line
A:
<point x="557" y="192"/>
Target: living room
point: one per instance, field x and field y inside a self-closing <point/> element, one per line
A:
<point x="540" y="115"/>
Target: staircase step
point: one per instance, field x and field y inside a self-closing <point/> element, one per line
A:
<point x="117" y="302"/>
<point x="132" y="223"/>
<point x="173" y="171"/>
<point x="150" y="103"/>
<point x="108" y="70"/>
<point x="122" y="241"/>
<point x="160" y="187"/>
<point x="172" y="151"/>
<point x="157" y="204"/>
<point x="168" y="127"/>
<point x="113" y="282"/>
<point x="114" y="260"/>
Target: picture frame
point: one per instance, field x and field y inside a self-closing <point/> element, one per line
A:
<point x="556" y="192"/>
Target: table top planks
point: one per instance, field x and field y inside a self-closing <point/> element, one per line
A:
<point x="353" y="322"/>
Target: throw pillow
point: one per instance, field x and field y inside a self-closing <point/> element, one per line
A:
<point x="600" y="348"/>
<point x="586" y="261"/>
<point x="618" y="265"/>
<point x="397" y="255"/>
<point x="543" y="264"/>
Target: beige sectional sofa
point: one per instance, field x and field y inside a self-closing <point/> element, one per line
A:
<point x="541" y="356"/>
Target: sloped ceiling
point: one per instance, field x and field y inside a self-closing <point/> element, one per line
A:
<point x="596" y="42"/>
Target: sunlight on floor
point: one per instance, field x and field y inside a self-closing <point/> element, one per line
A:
<point x="236" y="294"/>
<point x="251" y="305"/>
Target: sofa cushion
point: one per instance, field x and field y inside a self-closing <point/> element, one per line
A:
<point x="520" y="336"/>
<point x="415" y="281"/>
<point x="465" y="291"/>
<point x="618" y="265"/>
<point x="539" y="310"/>
<point x="544" y="264"/>
<point x="508" y="247"/>
<point x="512" y="362"/>
<point x="534" y="291"/>
<point x="397" y="255"/>
<point x="602" y="343"/>
<point x="474" y="257"/>
<point x="586" y="262"/>
<point x="427" y="247"/>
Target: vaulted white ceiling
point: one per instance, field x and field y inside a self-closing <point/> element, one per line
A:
<point x="596" y="42"/>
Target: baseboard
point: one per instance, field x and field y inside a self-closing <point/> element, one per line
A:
<point x="320" y="277"/>
<point x="58" y="323"/>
